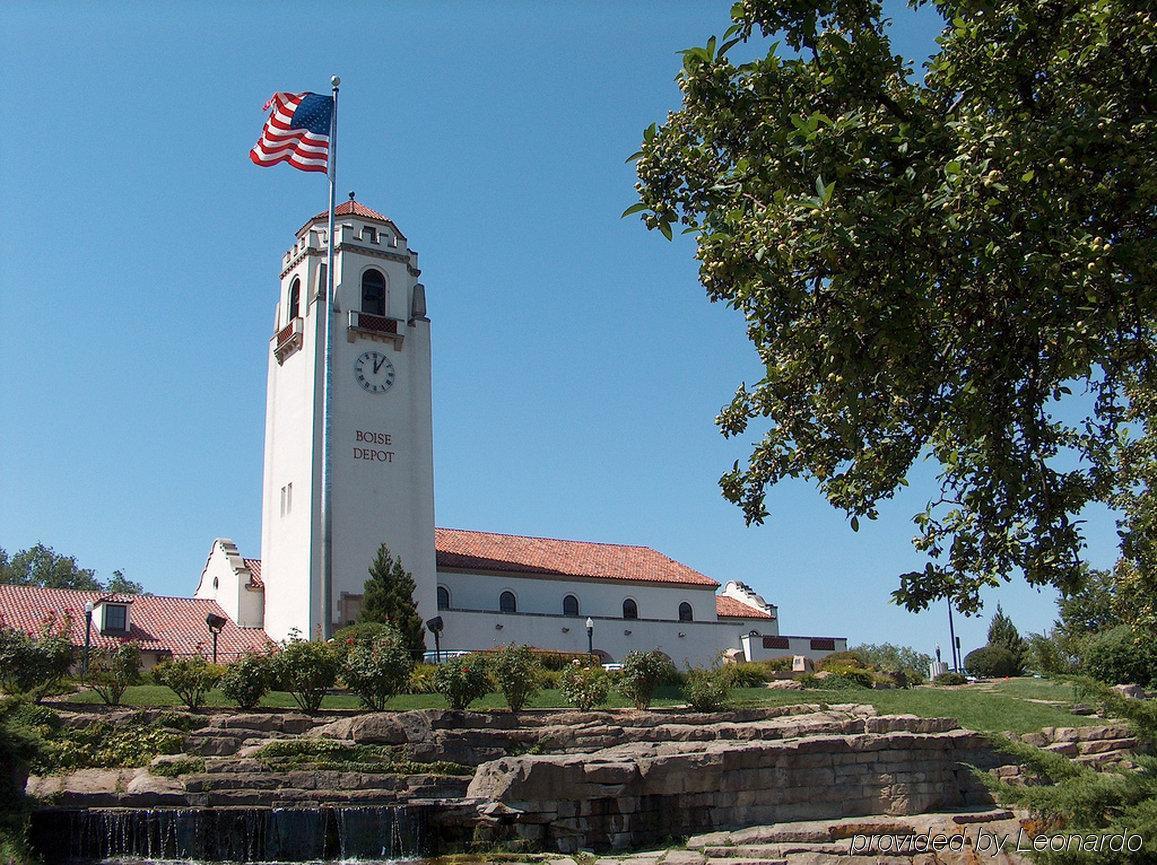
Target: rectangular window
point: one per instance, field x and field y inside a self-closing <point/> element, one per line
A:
<point x="776" y="643"/>
<point x="116" y="617"/>
<point x="322" y="281"/>
<point x="823" y="644"/>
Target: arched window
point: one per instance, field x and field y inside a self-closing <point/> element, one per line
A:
<point x="294" y="299"/>
<point x="630" y="609"/>
<point x="570" y="606"/>
<point x="443" y="598"/>
<point x="685" y="614"/>
<point x="374" y="292"/>
<point x="507" y="603"/>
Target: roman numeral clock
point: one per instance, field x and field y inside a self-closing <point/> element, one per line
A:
<point x="374" y="372"/>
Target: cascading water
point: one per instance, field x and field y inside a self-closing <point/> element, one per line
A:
<point x="231" y="834"/>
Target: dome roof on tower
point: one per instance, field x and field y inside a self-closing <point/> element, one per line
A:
<point x="354" y="208"/>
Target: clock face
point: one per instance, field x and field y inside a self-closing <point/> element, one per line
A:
<point x="374" y="372"/>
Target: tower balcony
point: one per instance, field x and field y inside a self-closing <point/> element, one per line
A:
<point x="377" y="327"/>
<point x="288" y="340"/>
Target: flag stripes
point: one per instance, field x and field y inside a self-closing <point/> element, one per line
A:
<point x="296" y="132"/>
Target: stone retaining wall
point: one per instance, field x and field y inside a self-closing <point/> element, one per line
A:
<point x="637" y="794"/>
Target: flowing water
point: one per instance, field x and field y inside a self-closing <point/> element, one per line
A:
<point x="325" y="834"/>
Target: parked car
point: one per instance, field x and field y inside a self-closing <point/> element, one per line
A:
<point x="446" y="655"/>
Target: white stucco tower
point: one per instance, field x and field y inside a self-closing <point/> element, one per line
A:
<point x="382" y="469"/>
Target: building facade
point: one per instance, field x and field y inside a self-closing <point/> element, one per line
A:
<point x="488" y="589"/>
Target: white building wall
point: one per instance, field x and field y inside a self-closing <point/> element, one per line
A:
<point x="544" y="594"/>
<point x="379" y="501"/>
<point x="226" y="580"/>
<point x="754" y="648"/>
<point x="290" y="534"/>
<point x="694" y="643"/>
<point x="374" y="501"/>
<point x="474" y="621"/>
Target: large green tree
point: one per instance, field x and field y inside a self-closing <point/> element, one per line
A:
<point x="954" y="265"/>
<point x="389" y="597"/>
<point x="41" y="565"/>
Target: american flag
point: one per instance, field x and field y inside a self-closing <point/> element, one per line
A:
<point x="296" y="132"/>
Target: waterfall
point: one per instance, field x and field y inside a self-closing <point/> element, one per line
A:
<point x="231" y="834"/>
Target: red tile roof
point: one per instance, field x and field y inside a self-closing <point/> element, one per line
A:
<point x="157" y="623"/>
<point x="457" y="548"/>
<point x="354" y="208"/>
<point x="254" y="566"/>
<point x="730" y="608"/>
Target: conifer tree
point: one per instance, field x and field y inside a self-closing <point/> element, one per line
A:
<point x="389" y="597"/>
<point x="1002" y="632"/>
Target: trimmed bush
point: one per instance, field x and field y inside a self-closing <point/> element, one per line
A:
<point x="515" y="672"/>
<point x="549" y="659"/>
<point x="1120" y="656"/>
<point x="641" y="676"/>
<point x="848" y="676"/>
<point x="462" y="680"/>
<point x="111" y="671"/>
<point x="585" y="687"/>
<point x="190" y="678"/>
<point x="950" y="678"/>
<point x="307" y="669"/>
<point x="843" y="660"/>
<point x="248" y="679"/>
<point x="422" y="679"/>
<point x="34" y="666"/>
<point x="378" y="668"/>
<point x="992" y="662"/>
<point x="706" y="689"/>
<point x="782" y="664"/>
<point x="362" y="632"/>
<point x="550" y="678"/>
<point x="745" y="675"/>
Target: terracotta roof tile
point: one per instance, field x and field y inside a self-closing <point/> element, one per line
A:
<point x="157" y="623"/>
<point x="730" y="608"/>
<point x="254" y="566"/>
<point x="354" y="208"/>
<point x="457" y="548"/>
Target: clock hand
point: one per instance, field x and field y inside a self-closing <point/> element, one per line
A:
<point x="378" y="364"/>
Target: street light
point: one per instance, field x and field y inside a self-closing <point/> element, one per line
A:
<point x="590" y="636"/>
<point x="215" y="623"/>
<point x="88" y="608"/>
<point x="435" y="626"/>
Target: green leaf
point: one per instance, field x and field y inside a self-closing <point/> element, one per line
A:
<point x="855" y="523"/>
<point x="634" y="208"/>
<point x="1028" y="175"/>
<point x="665" y="229"/>
<point x="952" y="167"/>
<point x="634" y="156"/>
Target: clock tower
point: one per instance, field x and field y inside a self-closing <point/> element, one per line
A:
<point x="381" y="429"/>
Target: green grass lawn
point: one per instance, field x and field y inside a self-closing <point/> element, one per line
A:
<point x="995" y="706"/>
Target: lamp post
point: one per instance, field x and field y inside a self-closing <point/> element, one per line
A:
<point x="955" y="646"/>
<point x="215" y="623"/>
<point x="435" y="625"/>
<point x="590" y="636"/>
<point x="88" y="608"/>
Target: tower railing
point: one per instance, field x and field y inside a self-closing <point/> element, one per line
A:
<point x="288" y="340"/>
<point x="373" y="323"/>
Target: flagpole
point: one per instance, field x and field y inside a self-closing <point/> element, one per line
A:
<point x="330" y="307"/>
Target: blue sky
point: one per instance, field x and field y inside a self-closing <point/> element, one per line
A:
<point x="578" y="366"/>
